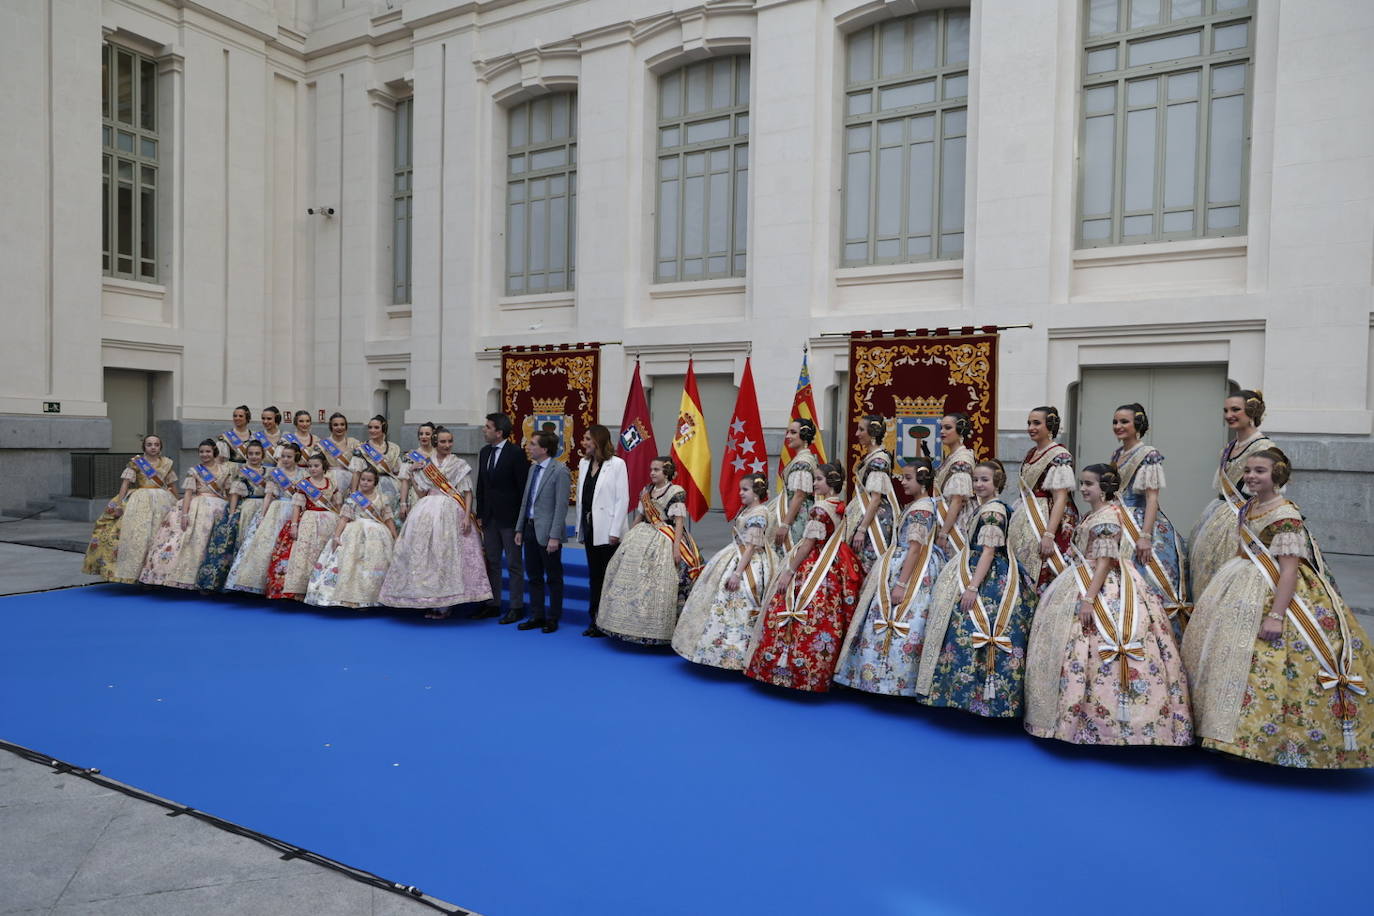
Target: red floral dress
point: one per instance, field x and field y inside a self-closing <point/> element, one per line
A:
<point x="798" y="640"/>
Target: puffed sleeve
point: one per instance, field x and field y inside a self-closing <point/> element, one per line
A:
<point x="239" y="487"/>
<point x="169" y="476"/>
<point x="1104" y="540"/>
<point x="357" y="463"/>
<point x="298" y="499"/>
<point x="383" y="511"/>
<point x="921" y="526"/>
<point x="349" y="510"/>
<point x="755" y="531"/>
<point x="801" y="479"/>
<point x="404" y="473"/>
<point x="129" y="474"/>
<point x="815" y="525"/>
<point x="677" y="505"/>
<point x="192" y="484"/>
<point x="1287" y="538"/>
<point x="879" y="470"/>
<point x="1151" y="474"/>
<point x="960" y="481"/>
<point x="994" y="529"/>
<point x="1060" y="474"/>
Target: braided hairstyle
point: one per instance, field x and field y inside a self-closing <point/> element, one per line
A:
<point x="669" y="466"/>
<point x="999" y="473"/>
<point x="834" y="476"/>
<point x="806" y="429"/>
<point x="876" y="427"/>
<point x="759" y="484"/>
<point x="1283" y="468"/>
<point x="962" y="424"/>
<point x="1254" y="403"/>
<point x="210" y="442"/>
<point x="1108" y="479"/>
<point x="1052" y="419"/>
<point x="924" y="470"/>
<point x="1139" y="419"/>
<point x="297" y="454"/>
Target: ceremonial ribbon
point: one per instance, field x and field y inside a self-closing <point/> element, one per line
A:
<point x="286" y="483"/>
<point x="875" y="528"/>
<point x="1056" y="560"/>
<point x="992" y="635"/>
<point x="369" y="453"/>
<point x="314" y="494"/>
<point x="894" y="620"/>
<point x="1120" y="641"/>
<point x="363" y="503"/>
<point x="333" y="450"/>
<point x="686" y="547"/>
<point x="208" y="477"/>
<point x="145" y="467"/>
<point x="1173" y="603"/>
<point x="441" y="483"/>
<point x="1334" y="673"/>
<point x="797" y="600"/>
<point x="235" y="441"/>
<point x="252" y="476"/>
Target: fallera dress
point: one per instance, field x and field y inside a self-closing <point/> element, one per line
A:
<point x="1294" y="702"/>
<point x="647" y="582"/>
<point x="716" y="626"/>
<point x="1044" y="472"/>
<point x="799" y="477"/>
<point x="954" y="477"/>
<point x="119" y="546"/>
<point x="294" y="555"/>
<point x="387" y="463"/>
<point x="1214" y="541"/>
<point x="797" y="637"/>
<point x="250" y="486"/>
<point x="1142" y="470"/>
<point x="883" y="646"/>
<point x="1120" y="680"/>
<point x="248" y="572"/>
<point x="177" y="552"/>
<point x="872" y="481"/>
<point x="351" y="574"/>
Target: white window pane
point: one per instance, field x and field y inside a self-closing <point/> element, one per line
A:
<point x="887" y="249"/>
<point x="857" y="138"/>
<point x="1226" y="141"/>
<point x="1230" y="37"/>
<point x="669" y="136"/>
<point x="560" y="115"/>
<point x="742" y="125"/>
<point x="742" y="156"/>
<point x="1183" y="86"/>
<point x="1144" y="13"/>
<point x="1180" y="155"/>
<point x="719" y="215"/>
<point x="857" y="252"/>
<point x="667" y="219"/>
<point x="1138" y="225"/>
<point x="558" y="234"/>
<point x="1102" y="60"/>
<point x="558" y="185"/>
<point x="667" y="270"/>
<point x="859" y="103"/>
<point x="1179" y="222"/>
<point x="1184" y="9"/>
<point x="1102" y="17"/>
<point x="1170" y="47"/>
<point x="741" y="210"/>
<point x="515" y="192"/>
<point x="1142" y="92"/>
<point x="692" y="268"/>
<point x="856" y="196"/>
<point x="1223" y="218"/>
<point x="548" y="158"/>
<point x="956" y="87"/>
<point x="515" y="239"/>
<point x="717" y="265"/>
<point x="893" y="48"/>
<point x="951" y="245"/>
<point x="667" y="168"/>
<point x="556" y="280"/>
<point x="889" y="192"/>
<point x="670" y="95"/>
<point x="703" y="131"/>
<point x="696" y="88"/>
<point x="956" y="38"/>
<point x="918" y="247"/>
<point x="956" y="122"/>
<point x="539" y="227"/>
<point x="1139" y="177"/>
<point x="739" y="265"/>
<point x="741" y="81"/>
<point x="861" y="56"/>
<point x="517" y="164"/>
<point x="147" y="148"/>
<point x="1099" y="100"/>
<point x="516" y="284"/>
<point x="538" y="281"/>
<point x="1228" y="79"/>
<point x="1095" y="230"/>
<point x="537" y="188"/>
<point x="694" y="216"/>
<point x="920" y="187"/>
<point x="908" y="94"/>
<point x="922" y="127"/>
<point x="696" y="163"/>
<point x="1231" y="4"/>
<point x="952" y="187"/>
<point x="719" y="160"/>
<point x="890" y="132"/>
<point x="1099" y="153"/>
<point x="539" y="120"/>
<point x="722" y="85"/>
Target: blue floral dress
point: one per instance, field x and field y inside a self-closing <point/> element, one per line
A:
<point x="959" y="666"/>
<point x="225" y="536"/>
<point x="1142" y="470"/>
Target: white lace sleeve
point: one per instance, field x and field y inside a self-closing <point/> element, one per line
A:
<point x="960" y="483"/>
<point x="129" y="474"/>
<point x="1060" y="475"/>
<point x="1104" y="541"/>
<point x="801" y="479"/>
<point x="677" y="510"/>
<point x="814" y="529"/>
<point x="1151" y="474"/>
<point x="1288" y="544"/>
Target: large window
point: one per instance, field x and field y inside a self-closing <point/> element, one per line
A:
<point x="703" y="170"/>
<point x="541" y="195"/>
<point x="905" y="139"/>
<point x="129" y="164"/>
<point x="1165" y="137"/>
<point x="402" y="166"/>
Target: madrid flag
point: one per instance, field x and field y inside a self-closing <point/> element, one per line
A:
<point x="803" y="408"/>
<point x="745" y="455"/>
<point x="691" y="450"/>
<point x="637" y="447"/>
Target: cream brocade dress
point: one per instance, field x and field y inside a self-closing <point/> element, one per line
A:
<point x="954" y="477"/>
<point x="351" y="574"/>
<point x="799" y="477"/>
<point x="144" y="508"/>
<point x="873" y="480"/>
<point x="176" y="554"/>
<point x="1072" y="693"/>
<point x="717" y="624"/>
<point x="248" y="573"/>
<point x="341" y="470"/>
<point x="313" y="531"/>
<point x="646" y="583"/>
<point x="1042" y="474"/>
<point x="1213" y="541"/>
<point x="1264" y="700"/>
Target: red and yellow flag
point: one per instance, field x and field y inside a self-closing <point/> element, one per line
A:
<point x="803" y="408"/>
<point x="691" y="450"/>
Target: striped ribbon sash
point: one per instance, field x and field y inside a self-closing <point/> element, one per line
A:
<point x="145" y="467"/>
<point x="797" y="598"/>
<point x="330" y="449"/>
<point x="235" y="442"/>
<point x="208" y="478"/>
<point x="956" y="536"/>
<point x="1334" y="668"/>
<point x="896" y="619"/>
<point x="440" y="482"/>
<point x="314" y="494"/>
<point x="363" y="503"/>
<point x="780" y="518"/>
<point x="368" y="452"/>
<point x="875" y="528"/>
<point x="687" y="550"/>
<point x="988" y="633"/>
<point x="1175" y="600"/>
<point x="1121" y="641"/>
<point x="1056" y="560"/>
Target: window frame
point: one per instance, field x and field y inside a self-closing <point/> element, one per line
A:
<point x="145" y="176"/>
<point x="402" y="201"/>
<point x="558" y="146"/>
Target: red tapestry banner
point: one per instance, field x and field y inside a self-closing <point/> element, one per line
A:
<point x="552" y="388"/>
<point x="913" y="378"/>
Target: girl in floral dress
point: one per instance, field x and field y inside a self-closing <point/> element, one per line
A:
<point x="314" y="508"/>
<point x="868" y="518"/>
<point x="180" y="543"/>
<point x="798" y="635"/>
<point x="954" y="483"/>
<point x="248" y="572"/>
<point x="124" y="532"/>
<point x="354" y="562"/>
<point x="246" y="492"/>
<point x="980" y="617"/>
<point x="884" y="642"/>
<point x="652" y="571"/>
<point x="1042" y="525"/>
<point x="1213" y="541"/>
<point x="1157" y="547"/>
<point x="717" y="623"/>
<point x="1103" y="666"/>
<point x="791" y="506"/>
<point x="1281" y="670"/>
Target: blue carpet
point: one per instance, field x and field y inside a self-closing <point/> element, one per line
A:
<point x="524" y="774"/>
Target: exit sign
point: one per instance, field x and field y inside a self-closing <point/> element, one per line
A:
<point x="52" y="406"/>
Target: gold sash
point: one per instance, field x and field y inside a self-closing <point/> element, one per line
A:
<point x="992" y="635"/>
<point x="875" y="528"/>
<point x="441" y="483"/>
<point x="956" y="536"/>
<point x="1055" y="560"/>
<point x="1175" y="602"/>
<point x="1120" y="641"/>
<point x="687" y="550"/>
<point x="797" y="599"/>
<point x="896" y="620"/>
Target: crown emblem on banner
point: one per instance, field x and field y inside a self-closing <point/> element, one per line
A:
<point x="548" y="405"/>
<point x="919" y="407"/>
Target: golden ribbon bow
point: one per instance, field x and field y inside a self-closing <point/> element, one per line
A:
<point x="787" y="615"/>
<point x="980" y="639"/>
<point x="887" y="627"/>
<point x="1351" y="682"/>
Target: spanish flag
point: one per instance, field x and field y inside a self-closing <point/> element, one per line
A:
<point x="691" y="450"/>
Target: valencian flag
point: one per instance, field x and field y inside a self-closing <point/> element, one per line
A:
<point x="691" y="451"/>
<point x="803" y="408"/>
<point x="745" y="455"/>
<point x="637" y="447"/>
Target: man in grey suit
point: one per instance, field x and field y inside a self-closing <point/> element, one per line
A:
<point x="542" y="520"/>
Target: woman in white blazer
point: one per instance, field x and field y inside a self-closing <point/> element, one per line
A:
<point x="603" y="501"/>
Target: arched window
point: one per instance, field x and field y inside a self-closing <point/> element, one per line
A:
<point x="541" y="195"/>
<point x="905" y="126"/>
<point x="703" y="170"/>
<point x="1164" y="147"/>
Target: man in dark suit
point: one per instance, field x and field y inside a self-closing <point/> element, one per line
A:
<point x="501" y="472"/>
<point x="543" y="519"/>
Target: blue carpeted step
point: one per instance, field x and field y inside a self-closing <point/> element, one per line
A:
<point x="576" y="586"/>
